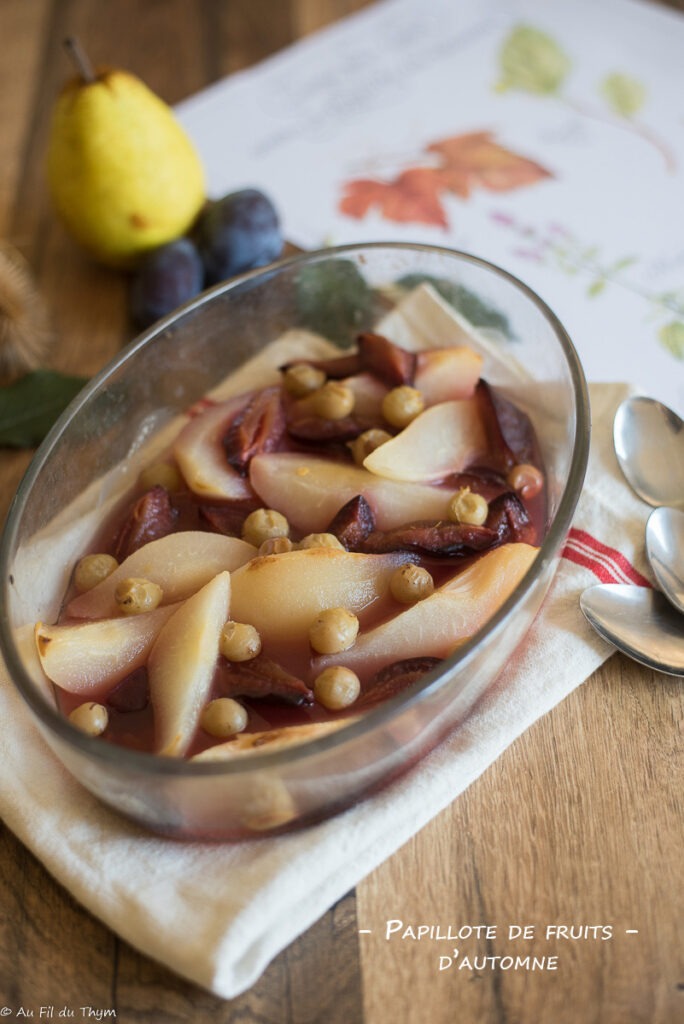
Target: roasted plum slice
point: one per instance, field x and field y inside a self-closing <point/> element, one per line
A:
<point x="151" y="517"/>
<point x="305" y="426"/>
<point x="260" y="678"/>
<point x="499" y="454"/>
<point x="391" y="364"/>
<point x="432" y="537"/>
<point x="516" y="429"/>
<point x="259" y="427"/>
<point x="487" y="482"/>
<point x="375" y="353"/>
<point x="334" y="368"/>
<point x="509" y="432"/>
<point x="394" y="678"/>
<point x="507" y="521"/>
<point x="353" y="523"/>
<point x="227" y="517"/>
<point x="132" y="693"/>
<point x="508" y="518"/>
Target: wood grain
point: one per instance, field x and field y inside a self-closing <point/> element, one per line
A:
<point x="289" y="990"/>
<point x="579" y="811"/>
<point x="578" y="823"/>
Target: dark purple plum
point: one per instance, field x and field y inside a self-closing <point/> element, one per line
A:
<point x="237" y="233"/>
<point x="167" y="277"/>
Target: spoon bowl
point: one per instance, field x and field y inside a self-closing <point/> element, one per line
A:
<point x="665" y="550"/>
<point x="649" y="444"/>
<point x="638" y="621"/>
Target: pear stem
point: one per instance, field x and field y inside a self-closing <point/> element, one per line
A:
<point x="80" y="59"/>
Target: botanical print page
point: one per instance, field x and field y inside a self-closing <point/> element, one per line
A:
<point x="544" y="136"/>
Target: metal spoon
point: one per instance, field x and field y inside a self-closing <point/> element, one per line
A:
<point x="665" y="550"/>
<point x="640" y="622"/>
<point x="649" y="444"/>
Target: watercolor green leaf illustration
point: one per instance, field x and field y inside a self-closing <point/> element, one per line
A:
<point x="623" y="94"/>
<point x="671" y="336"/>
<point x="334" y="299"/>
<point x="532" y="61"/>
<point x="555" y="245"/>
<point x="480" y="312"/>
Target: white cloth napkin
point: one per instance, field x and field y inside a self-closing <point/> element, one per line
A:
<point x="218" y="914"/>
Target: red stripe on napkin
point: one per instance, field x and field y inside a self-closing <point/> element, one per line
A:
<point x="608" y="564"/>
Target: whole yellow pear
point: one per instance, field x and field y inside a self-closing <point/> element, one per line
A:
<point x="123" y="174"/>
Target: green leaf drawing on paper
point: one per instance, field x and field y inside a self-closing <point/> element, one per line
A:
<point x="672" y="337"/>
<point x="623" y="94"/>
<point x="473" y="308"/>
<point x="334" y="299"/>
<point x="532" y="61"/>
<point x="30" y="406"/>
<point x="608" y="272"/>
<point x="622" y="264"/>
<point x="556" y="246"/>
<point x="596" y="287"/>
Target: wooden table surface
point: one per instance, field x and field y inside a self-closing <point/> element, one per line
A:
<point x="579" y="822"/>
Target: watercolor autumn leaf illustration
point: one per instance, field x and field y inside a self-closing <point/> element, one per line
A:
<point x="457" y="165"/>
<point x="531" y="61"/>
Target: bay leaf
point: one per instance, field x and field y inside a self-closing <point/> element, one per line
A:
<point x="30" y="405"/>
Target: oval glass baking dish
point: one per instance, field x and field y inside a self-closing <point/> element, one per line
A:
<point x="97" y="448"/>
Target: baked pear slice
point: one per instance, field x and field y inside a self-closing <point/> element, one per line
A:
<point x="89" y="658"/>
<point x="443" y="374"/>
<point x="442" y="622"/>
<point x="271" y="739"/>
<point x="310" y="491"/>
<point x="180" y="563"/>
<point x="282" y="594"/>
<point x="201" y="458"/>
<point x="444" y="439"/>
<point x="182" y="662"/>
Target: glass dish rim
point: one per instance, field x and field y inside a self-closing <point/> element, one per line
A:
<point x="121" y="758"/>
